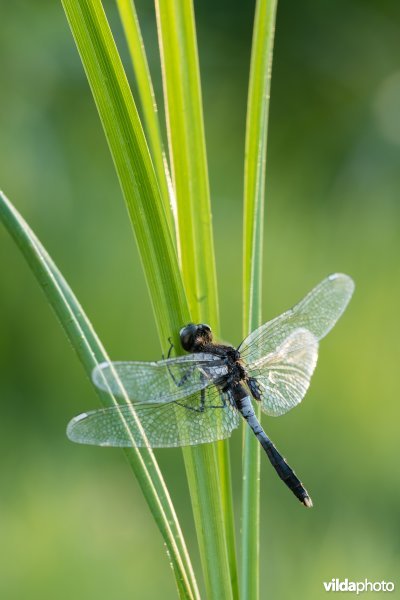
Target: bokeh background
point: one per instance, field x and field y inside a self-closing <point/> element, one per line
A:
<point x="73" y="523"/>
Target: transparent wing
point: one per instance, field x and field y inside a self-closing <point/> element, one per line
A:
<point x="283" y="376"/>
<point x="158" y="425"/>
<point x="317" y="312"/>
<point x="163" y="381"/>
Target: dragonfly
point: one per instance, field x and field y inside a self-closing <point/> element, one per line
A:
<point x="202" y="396"/>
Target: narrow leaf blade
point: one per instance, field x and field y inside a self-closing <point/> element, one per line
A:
<point x="254" y="190"/>
<point x="207" y="468"/>
<point x="91" y="352"/>
<point x="133" y="35"/>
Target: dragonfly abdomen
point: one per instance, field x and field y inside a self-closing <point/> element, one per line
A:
<point x="280" y="465"/>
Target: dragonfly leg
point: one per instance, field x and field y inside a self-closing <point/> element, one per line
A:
<point x="188" y="374"/>
<point x="171" y="347"/>
<point x="201" y="408"/>
<point x="198" y="409"/>
<point x="194" y="408"/>
<point x="203" y="401"/>
<point x="223" y="403"/>
<point x="181" y="381"/>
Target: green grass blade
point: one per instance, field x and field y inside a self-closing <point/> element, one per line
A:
<point x="207" y="468"/>
<point x="133" y="35"/>
<point x="133" y="163"/>
<point x="90" y="352"/>
<point x="254" y="189"/>
<point x="183" y="107"/>
<point x="225" y="487"/>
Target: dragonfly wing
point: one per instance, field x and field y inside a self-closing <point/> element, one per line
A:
<point x="158" y="425"/>
<point x="164" y="381"/>
<point x="283" y="376"/>
<point x="317" y="312"/>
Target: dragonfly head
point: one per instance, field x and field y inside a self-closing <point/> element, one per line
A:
<point x="194" y="337"/>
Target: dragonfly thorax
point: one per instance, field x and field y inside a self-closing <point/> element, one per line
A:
<point x="199" y="338"/>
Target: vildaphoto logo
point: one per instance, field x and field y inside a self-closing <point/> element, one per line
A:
<point x="336" y="585"/>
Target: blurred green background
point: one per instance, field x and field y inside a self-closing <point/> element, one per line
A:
<point x="73" y="523"/>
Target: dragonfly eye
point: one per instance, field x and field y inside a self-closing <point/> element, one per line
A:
<point x="188" y="336"/>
